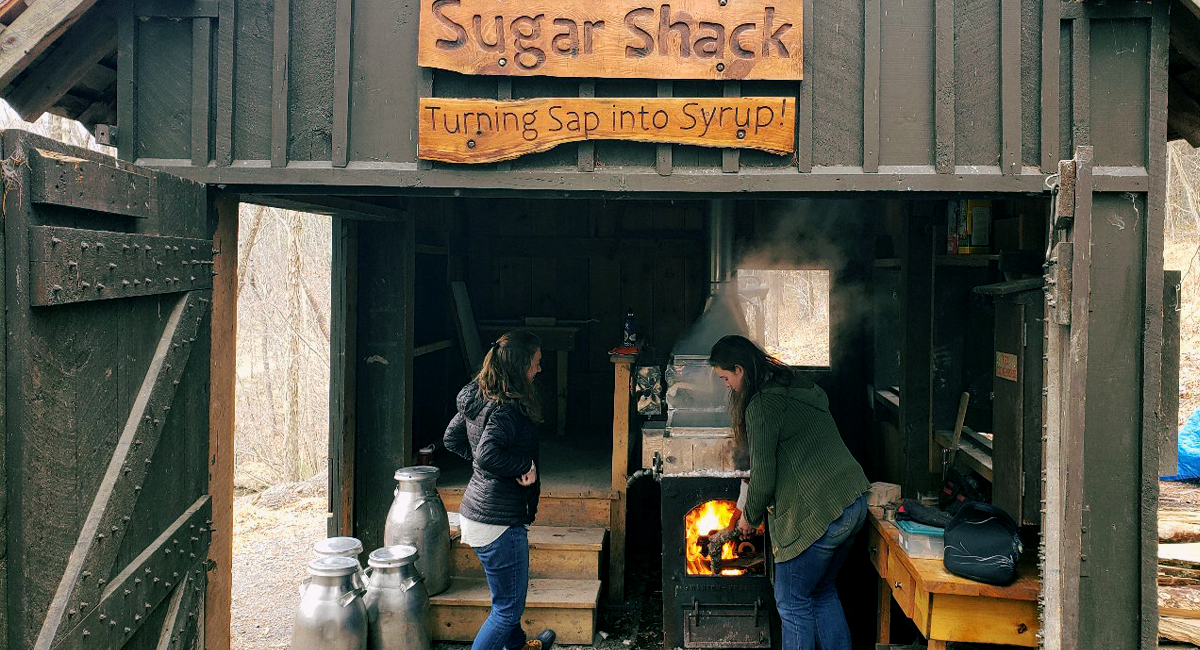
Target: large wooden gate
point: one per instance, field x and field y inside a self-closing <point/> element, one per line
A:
<point x="107" y="284"/>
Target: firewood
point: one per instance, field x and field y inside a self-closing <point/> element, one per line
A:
<point x="1179" y="629"/>
<point x="1180" y="602"/>
<point x="1178" y="526"/>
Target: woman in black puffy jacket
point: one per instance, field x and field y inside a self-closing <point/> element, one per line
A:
<point x="496" y="429"/>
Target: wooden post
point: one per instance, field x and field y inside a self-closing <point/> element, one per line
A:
<point x="916" y="351"/>
<point x="223" y="369"/>
<point x="883" y="627"/>
<point x="622" y="377"/>
<point x="342" y="376"/>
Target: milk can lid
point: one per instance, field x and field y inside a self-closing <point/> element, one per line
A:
<point x="338" y="546"/>
<point x="333" y="566"/>
<point x="393" y="556"/>
<point x="418" y="473"/>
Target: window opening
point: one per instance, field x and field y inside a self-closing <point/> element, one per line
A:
<point x="787" y="313"/>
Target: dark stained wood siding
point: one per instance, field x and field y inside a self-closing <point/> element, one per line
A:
<point x="310" y="81"/>
<point x="1119" y="119"/>
<point x="583" y="260"/>
<point x="253" y="43"/>
<point x="164" y="63"/>
<point x="836" y="83"/>
<point x="946" y="86"/>
<point x="906" y="84"/>
<point x="976" y="84"/>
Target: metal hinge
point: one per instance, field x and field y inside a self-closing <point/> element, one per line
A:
<point x="1058" y="282"/>
<point x="1064" y="203"/>
<point x="1085" y="541"/>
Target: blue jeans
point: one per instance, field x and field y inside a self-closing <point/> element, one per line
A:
<point x="806" y="589"/>
<point x="506" y="565"/>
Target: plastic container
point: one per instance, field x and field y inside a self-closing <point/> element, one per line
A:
<point x="921" y="542"/>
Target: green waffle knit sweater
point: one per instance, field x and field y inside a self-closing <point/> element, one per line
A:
<point x="801" y="473"/>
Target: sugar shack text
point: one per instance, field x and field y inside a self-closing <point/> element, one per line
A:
<point x="682" y="39"/>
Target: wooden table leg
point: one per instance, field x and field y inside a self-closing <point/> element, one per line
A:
<point x="935" y="644"/>
<point x="561" y="372"/>
<point x="883" y="630"/>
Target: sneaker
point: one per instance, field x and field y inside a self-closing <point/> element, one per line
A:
<point x="543" y="641"/>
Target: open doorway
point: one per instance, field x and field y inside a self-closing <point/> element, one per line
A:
<point x="282" y="416"/>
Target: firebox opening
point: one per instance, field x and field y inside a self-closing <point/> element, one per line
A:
<point x="706" y="526"/>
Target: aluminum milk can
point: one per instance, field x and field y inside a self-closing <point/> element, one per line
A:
<point x="342" y="547"/>
<point x="331" y="615"/>
<point x="397" y="601"/>
<point x="418" y="518"/>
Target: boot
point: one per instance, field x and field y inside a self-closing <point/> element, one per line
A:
<point x="543" y="641"/>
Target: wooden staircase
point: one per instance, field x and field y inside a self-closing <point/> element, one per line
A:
<point x="564" y="587"/>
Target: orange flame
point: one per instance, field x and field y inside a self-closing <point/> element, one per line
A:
<point x="706" y="519"/>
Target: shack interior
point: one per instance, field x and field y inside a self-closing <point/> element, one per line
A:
<point x="905" y="318"/>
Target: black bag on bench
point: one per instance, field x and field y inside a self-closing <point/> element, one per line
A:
<point x="982" y="543"/>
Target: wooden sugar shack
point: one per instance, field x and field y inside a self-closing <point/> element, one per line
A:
<point x="566" y="163"/>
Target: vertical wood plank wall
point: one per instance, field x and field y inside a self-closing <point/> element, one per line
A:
<point x="589" y="260"/>
<point x="966" y="86"/>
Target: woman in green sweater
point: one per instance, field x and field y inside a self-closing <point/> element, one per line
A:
<point x="803" y="480"/>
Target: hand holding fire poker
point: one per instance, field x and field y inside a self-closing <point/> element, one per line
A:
<point x="747" y="554"/>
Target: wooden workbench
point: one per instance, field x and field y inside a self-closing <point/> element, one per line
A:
<point x="944" y="606"/>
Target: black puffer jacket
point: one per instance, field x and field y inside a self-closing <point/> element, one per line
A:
<point x="501" y="443"/>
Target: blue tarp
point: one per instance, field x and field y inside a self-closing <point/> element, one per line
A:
<point x="1189" y="450"/>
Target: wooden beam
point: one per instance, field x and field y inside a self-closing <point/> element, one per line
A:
<point x="804" y="108"/>
<point x="33" y="31"/>
<point x="343" y="28"/>
<point x="1010" y="87"/>
<point x="226" y="27"/>
<point x="222" y="374"/>
<point x="943" y="22"/>
<point x="916" y="355"/>
<point x="1051" y="41"/>
<point x="622" y="375"/>
<point x="871" y="80"/>
<point x="175" y="9"/>
<point x="101" y="112"/>
<point x="1185" y="37"/>
<point x="127" y="37"/>
<point x="1191" y="5"/>
<point x="89" y="41"/>
<point x="1183" y="113"/>
<point x="1081" y="82"/>
<point x="10" y="9"/>
<point x="202" y="29"/>
<point x="331" y="205"/>
<point x="279" y="83"/>
<point x="342" y="385"/>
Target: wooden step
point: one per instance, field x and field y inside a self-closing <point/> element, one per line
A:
<point x="566" y="606"/>
<point x="591" y="509"/>
<point x="554" y="552"/>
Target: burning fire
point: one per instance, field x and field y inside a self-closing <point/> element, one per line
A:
<point x="703" y="520"/>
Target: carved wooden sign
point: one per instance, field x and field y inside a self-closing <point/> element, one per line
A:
<point x="486" y="130"/>
<point x="678" y="39"/>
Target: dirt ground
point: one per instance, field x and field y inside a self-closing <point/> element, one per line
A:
<point x="273" y="536"/>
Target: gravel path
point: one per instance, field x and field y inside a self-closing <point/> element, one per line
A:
<point x="271" y="547"/>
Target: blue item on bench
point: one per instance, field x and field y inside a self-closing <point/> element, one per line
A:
<point x="1189" y="450"/>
